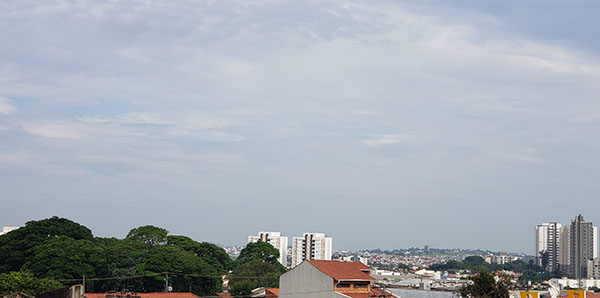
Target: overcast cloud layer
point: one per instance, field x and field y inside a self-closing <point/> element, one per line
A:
<point x="382" y="123"/>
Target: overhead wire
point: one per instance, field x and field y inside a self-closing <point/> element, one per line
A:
<point x="163" y="273"/>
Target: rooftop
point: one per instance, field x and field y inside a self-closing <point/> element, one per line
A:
<point x="343" y="270"/>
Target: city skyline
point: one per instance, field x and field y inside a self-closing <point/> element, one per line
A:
<point x="273" y="238"/>
<point x="383" y="123"/>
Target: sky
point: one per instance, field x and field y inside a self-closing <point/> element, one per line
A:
<point x="384" y="124"/>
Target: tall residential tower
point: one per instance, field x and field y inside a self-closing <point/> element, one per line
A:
<point x="547" y="240"/>
<point x="581" y="246"/>
<point x="311" y="246"/>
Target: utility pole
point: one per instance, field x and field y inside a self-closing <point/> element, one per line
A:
<point x="166" y="282"/>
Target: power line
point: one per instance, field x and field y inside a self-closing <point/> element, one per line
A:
<point x="163" y="273"/>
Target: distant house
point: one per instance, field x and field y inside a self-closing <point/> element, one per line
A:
<point x="75" y="291"/>
<point x="330" y="279"/>
<point x="265" y="293"/>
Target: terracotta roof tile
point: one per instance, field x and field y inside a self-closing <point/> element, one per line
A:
<point x="272" y="292"/>
<point x="343" y="270"/>
<point x="375" y="292"/>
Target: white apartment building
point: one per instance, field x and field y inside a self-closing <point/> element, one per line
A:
<point x="503" y="258"/>
<point x="276" y="240"/>
<point x="7" y="229"/>
<point x="547" y="238"/>
<point x="311" y="246"/>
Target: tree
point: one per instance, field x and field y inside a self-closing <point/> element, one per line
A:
<point x="212" y="254"/>
<point x="545" y="258"/>
<point x="15" y="247"/>
<point x="26" y="282"/>
<point x="486" y="285"/>
<point x="65" y="258"/>
<point x="151" y="235"/>
<point x="194" y="272"/>
<point x="123" y="258"/>
<point x="254" y="274"/>
<point x="474" y="261"/>
<point x="259" y="251"/>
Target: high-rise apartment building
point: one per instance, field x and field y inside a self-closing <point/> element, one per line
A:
<point x="581" y="246"/>
<point x="311" y="246"/>
<point x="276" y="240"/>
<point x="565" y="251"/>
<point x="547" y="240"/>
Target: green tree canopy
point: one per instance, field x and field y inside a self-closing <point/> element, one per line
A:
<point x="151" y="235"/>
<point x="476" y="264"/>
<point x="58" y="248"/>
<point x="124" y="258"/>
<point x="472" y="261"/>
<point x="259" y="251"/>
<point x="212" y="254"/>
<point x="15" y="247"/>
<point x="254" y="274"/>
<point x="545" y="256"/>
<point x="26" y="282"/>
<point x="484" y="285"/>
<point x="65" y="258"/>
<point x="198" y="275"/>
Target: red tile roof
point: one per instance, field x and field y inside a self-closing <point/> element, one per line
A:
<point x="141" y="295"/>
<point x="272" y="292"/>
<point x="375" y="291"/>
<point x="343" y="270"/>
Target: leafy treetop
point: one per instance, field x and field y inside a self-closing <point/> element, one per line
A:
<point x="151" y="235"/>
<point x="258" y="251"/>
<point x="16" y="245"/>
<point x="487" y="285"/>
<point x="26" y="282"/>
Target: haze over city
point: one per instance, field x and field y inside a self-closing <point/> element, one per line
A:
<point x="385" y="124"/>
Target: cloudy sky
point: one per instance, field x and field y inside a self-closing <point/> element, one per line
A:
<point x="382" y="123"/>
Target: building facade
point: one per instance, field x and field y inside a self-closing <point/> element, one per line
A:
<point x="547" y="240"/>
<point x="581" y="246"/>
<point x="276" y="240"/>
<point x="311" y="246"/>
<point x="330" y="279"/>
<point x="565" y="251"/>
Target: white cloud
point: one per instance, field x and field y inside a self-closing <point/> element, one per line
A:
<point x="364" y="112"/>
<point x="129" y="118"/>
<point x="190" y="124"/>
<point x="384" y="139"/>
<point x="5" y="106"/>
<point x="55" y="130"/>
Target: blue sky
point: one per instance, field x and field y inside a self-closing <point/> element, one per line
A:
<point x="382" y="123"/>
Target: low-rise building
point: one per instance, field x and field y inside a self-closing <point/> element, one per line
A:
<point x="330" y="279"/>
<point x="593" y="268"/>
